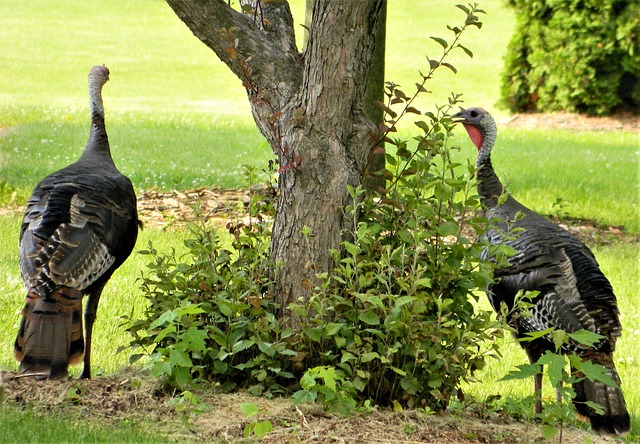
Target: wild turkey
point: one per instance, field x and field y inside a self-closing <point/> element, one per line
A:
<point x="80" y="225"/>
<point x="573" y="293"/>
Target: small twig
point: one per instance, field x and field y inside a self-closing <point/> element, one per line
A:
<point x="29" y="375"/>
<point x="304" y="419"/>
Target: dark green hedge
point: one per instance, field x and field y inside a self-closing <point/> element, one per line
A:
<point x="573" y="55"/>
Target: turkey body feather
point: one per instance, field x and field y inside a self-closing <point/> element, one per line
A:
<point x="573" y="293"/>
<point x="80" y="225"/>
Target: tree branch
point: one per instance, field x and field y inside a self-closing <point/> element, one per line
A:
<point x="240" y="42"/>
<point x="258" y="48"/>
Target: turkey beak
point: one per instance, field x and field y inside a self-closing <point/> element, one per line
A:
<point x="459" y="116"/>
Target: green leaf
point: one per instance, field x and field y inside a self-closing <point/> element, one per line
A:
<point x="370" y="356"/>
<point x="454" y="29"/>
<point x="559" y="338"/>
<point x="135" y="357"/>
<point x="555" y="365"/>
<point x="242" y="345"/>
<point x="353" y="249"/>
<point x="548" y="431"/>
<point x="472" y="20"/>
<point x="181" y="376"/>
<point x="189" y="309"/>
<point x="315" y="334"/>
<point x="597" y="407"/>
<point x="410" y="384"/>
<point x="224" y="307"/>
<point x="524" y="371"/>
<point x="307" y="381"/>
<point x="464" y="8"/>
<point x="267" y="348"/>
<point x="161" y="368"/>
<point x="422" y="283"/>
<point x="329" y="377"/>
<point x="403" y="300"/>
<point x="466" y="50"/>
<point x="450" y="66"/>
<point x="448" y="229"/>
<point x="164" y="332"/>
<point x="422" y="125"/>
<point x="167" y="316"/>
<point x="304" y="396"/>
<point x="249" y="409"/>
<point x="536" y="334"/>
<point x="442" y="42"/>
<point x="179" y="358"/>
<point x="597" y="372"/>
<point x="195" y="339"/>
<point x="332" y="328"/>
<point x="369" y="317"/>
<point x="261" y="428"/>
<point x="586" y="337"/>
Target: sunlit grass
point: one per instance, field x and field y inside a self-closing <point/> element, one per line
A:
<point x="19" y="426"/>
<point x="165" y="151"/>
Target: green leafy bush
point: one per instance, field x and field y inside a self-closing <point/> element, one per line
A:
<point x="395" y="322"/>
<point x="209" y="315"/>
<point x="563" y="411"/>
<point x="577" y="55"/>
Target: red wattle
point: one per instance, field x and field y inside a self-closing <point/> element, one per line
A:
<point x="474" y="134"/>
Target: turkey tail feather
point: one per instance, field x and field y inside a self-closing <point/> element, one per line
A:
<point x="615" y="419"/>
<point x="50" y="335"/>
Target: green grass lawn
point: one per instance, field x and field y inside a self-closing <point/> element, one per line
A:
<point x="177" y="119"/>
<point x="57" y="427"/>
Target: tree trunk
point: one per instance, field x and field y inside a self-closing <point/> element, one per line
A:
<point x="375" y="93"/>
<point x="309" y="107"/>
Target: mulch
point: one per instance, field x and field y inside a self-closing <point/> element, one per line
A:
<point x="622" y="121"/>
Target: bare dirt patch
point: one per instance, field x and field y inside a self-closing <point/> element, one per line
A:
<point x="623" y="121"/>
<point x="220" y="205"/>
<point x="130" y="396"/>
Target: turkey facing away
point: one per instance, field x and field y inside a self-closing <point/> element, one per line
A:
<point x="80" y="225"/>
<point x="573" y="292"/>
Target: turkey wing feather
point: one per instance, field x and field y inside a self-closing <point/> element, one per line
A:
<point x="63" y="242"/>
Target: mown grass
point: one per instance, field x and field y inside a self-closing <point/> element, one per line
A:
<point x="177" y="118"/>
<point x="168" y="152"/>
<point x="24" y="426"/>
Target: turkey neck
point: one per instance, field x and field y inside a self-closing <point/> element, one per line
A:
<point x="98" y="144"/>
<point x="489" y="186"/>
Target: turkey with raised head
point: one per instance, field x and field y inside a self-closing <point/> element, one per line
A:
<point x="573" y="293"/>
<point x="80" y="225"/>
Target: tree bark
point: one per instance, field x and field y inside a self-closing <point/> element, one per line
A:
<point x="375" y="93"/>
<point x="309" y="107"/>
